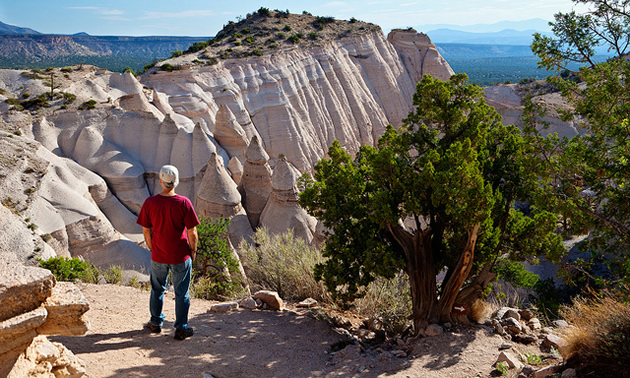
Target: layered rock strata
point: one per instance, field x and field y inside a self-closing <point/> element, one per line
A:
<point x="255" y="184"/>
<point x="33" y="304"/>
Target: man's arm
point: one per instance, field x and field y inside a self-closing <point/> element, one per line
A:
<point x="146" y="231"/>
<point x="193" y="238"/>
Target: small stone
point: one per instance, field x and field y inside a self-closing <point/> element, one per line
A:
<point x="534" y="324"/>
<point x="400" y="342"/>
<point x="307" y="303"/>
<point x="560" y="324"/>
<point x="512" y="325"/>
<point x="224" y="307"/>
<point x="526" y="314"/>
<point x="362" y="369"/>
<point x="448" y="325"/>
<point x="433" y="330"/>
<point x="509" y="359"/>
<point x="505" y="346"/>
<point x="545" y="372"/>
<point x="248" y="303"/>
<point x="512" y="313"/>
<point x="554" y="341"/>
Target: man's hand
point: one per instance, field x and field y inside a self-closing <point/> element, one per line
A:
<point x="193" y="238"/>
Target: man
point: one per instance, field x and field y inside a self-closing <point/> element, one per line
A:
<point x="169" y="224"/>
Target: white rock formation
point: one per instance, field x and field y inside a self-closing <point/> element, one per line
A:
<point x="103" y="163"/>
<point x="282" y="211"/>
<point x="255" y="184"/>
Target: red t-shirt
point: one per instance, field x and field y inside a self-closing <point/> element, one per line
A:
<point x="169" y="217"/>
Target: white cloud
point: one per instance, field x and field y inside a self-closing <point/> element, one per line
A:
<point x="101" y="10"/>
<point x="336" y="4"/>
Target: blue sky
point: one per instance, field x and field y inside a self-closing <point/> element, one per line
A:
<point x="206" y="18"/>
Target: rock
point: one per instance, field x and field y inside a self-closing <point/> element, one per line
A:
<point x="248" y="303"/>
<point x="43" y="358"/>
<point x="498" y="328"/>
<point x="307" y="303"/>
<point x="282" y="211"/>
<point x="510" y="359"/>
<point x="546" y="371"/>
<point x="512" y="325"/>
<point x="256" y="181"/>
<point x="433" y="330"/>
<point x="271" y="298"/>
<point x="560" y="324"/>
<point x="553" y="341"/>
<point x="569" y="373"/>
<point x="399" y="353"/>
<point x="534" y="324"/>
<point x="526" y="314"/>
<point x="22" y="288"/>
<point x="65" y="307"/>
<point x="224" y="307"/>
<point x="525" y="338"/>
<point x="505" y="346"/>
<point x="512" y="313"/>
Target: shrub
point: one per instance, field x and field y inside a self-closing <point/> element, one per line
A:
<point x="599" y="339"/>
<point x="167" y="67"/>
<point x="264" y="12"/>
<point x="216" y="272"/>
<point x="66" y="69"/>
<point x="389" y="301"/>
<point x="313" y="35"/>
<point x="283" y="263"/>
<point x="68" y="98"/>
<point x="353" y="20"/>
<point x="257" y="52"/>
<point x="238" y="43"/>
<point x="26" y="95"/>
<point x="287" y="28"/>
<point x="249" y="39"/>
<point x="294" y="39"/>
<point x="65" y="268"/>
<point x="113" y="275"/>
<point x="128" y="69"/>
<point x="176" y="53"/>
<point x="281" y="35"/>
<point x="88" y="105"/>
<point x="197" y="46"/>
<point x="238" y="35"/>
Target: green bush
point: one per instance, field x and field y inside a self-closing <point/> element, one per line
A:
<point x="88" y="105"/>
<point x="68" y="98"/>
<point x="283" y="263"/>
<point x="65" y="268"/>
<point x="257" y="52"/>
<point x="249" y="39"/>
<point x="66" y="69"/>
<point x="216" y="272"/>
<point x="264" y="12"/>
<point x="113" y="275"/>
<point x="287" y="28"/>
<point x="167" y="67"/>
<point x="176" y="53"/>
<point x="295" y="39"/>
<point x="313" y="35"/>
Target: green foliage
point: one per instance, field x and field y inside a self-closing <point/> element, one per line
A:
<point x="176" y="53"/>
<point x="88" y="105"/>
<point x="287" y="28"/>
<point x="264" y="12"/>
<point x="113" y="274"/>
<point x="68" y="98"/>
<point x="503" y="368"/>
<point x="533" y="359"/>
<point x="215" y="265"/>
<point x="313" y="36"/>
<point x="452" y="170"/>
<point x="167" y="67"/>
<point x="591" y="172"/>
<point x="128" y="69"/>
<point x="257" y="52"/>
<point x="67" y="269"/>
<point x="66" y="69"/>
<point x="294" y="38"/>
<point x="282" y="263"/>
<point x="515" y="273"/>
<point x="197" y="46"/>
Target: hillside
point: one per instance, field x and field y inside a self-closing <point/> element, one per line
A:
<point x="110" y="52"/>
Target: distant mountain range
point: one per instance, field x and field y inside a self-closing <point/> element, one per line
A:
<point x="27" y="48"/>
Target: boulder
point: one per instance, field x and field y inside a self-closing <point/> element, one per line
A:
<point x="271" y="298"/>
<point x="510" y="359"/>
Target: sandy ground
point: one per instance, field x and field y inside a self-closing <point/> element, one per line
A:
<point x="259" y="343"/>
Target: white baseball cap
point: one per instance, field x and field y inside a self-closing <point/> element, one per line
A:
<point x="169" y="176"/>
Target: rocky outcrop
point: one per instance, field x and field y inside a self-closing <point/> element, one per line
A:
<point x="255" y="184"/>
<point x="507" y="100"/>
<point x="33" y="304"/>
<point x="282" y="211"/>
<point x="100" y="164"/>
<point x="419" y="54"/>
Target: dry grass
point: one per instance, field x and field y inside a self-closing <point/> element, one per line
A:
<point x="283" y="263"/>
<point x="599" y="339"/>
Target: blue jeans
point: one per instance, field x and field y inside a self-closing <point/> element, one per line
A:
<point x="181" y="283"/>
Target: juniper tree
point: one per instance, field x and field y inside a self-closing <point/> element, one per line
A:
<point x="434" y="195"/>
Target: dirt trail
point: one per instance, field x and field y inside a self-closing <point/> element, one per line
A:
<point x="246" y="343"/>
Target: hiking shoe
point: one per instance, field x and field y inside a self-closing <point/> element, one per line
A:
<point x="153" y="328"/>
<point x="182" y="333"/>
